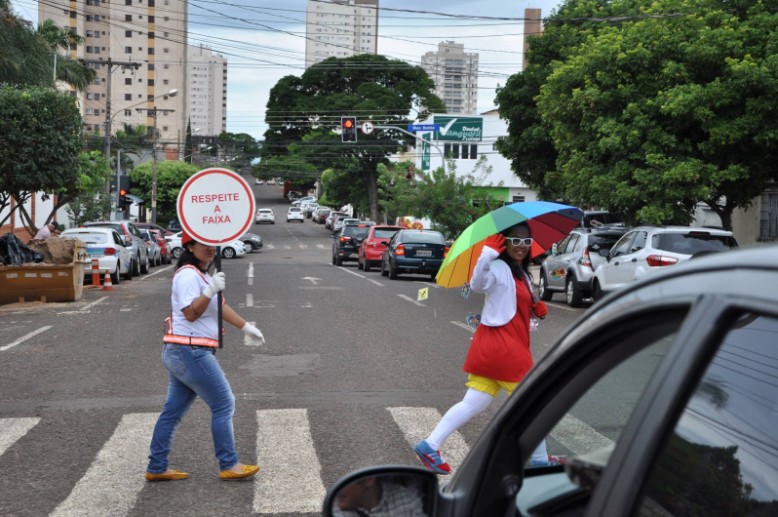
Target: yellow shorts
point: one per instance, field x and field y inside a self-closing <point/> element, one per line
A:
<point x="490" y="386"/>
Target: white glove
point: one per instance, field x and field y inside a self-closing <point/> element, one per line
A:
<point x="254" y="335"/>
<point x="217" y="285"/>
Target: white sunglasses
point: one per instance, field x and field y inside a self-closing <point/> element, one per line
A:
<point x="520" y="241"/>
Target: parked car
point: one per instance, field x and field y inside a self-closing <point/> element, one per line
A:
<point x="233" y="249"/>
<point x="153" y="249"/>
<point x="174" y="241"/>
<point x="293" y="195"/>
<point x="251" y="242"/>
<point x="647" y="249"/>
<point x="345" y="244"/>
<point x="570" y="266"/>
<point x="164" y="230"/>
<point x="173" y="226"/>
<point x="320" y="214"/>
<point x="303" y="200"/>
<point x="133" y="239"/>
<point x="164" y="246"/>
<point x="106" y="245"/>
<point x="265" y="215"/>
<point x="414" y="251"/>
<point x="372" y="248"/>
<point x="258" y="181"/>
<point x="660" y="398"/>
<point x="310" y="208"/>
<point x="295" y="214"/>
<point x="338" y="220"/>
<point x="328" y="223"/>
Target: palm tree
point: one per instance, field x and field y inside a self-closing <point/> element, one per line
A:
<point x="65" y="68"/>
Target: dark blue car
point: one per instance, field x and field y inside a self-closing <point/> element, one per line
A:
<point x="414" y="251"/>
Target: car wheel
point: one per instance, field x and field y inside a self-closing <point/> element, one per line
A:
<point x="597" y="293"/>
<point x="338" y="261"/>
<point x="128" y="275"/>
<point x="115" y="277"/>
<point x="359" y="264"/>
<point x="159" y="260"/>
<point x="572" y="293"/>
<point x="228" y="253"/>
<point x="144" y="268"/>
<point x="384" y="272"/>
<point x="176" y="252"/>
<point x="333" y="259"/>
<point x="543" y="290"/>
<point x="366" y="265"/>
<point x="136" y="266"/>
<point x="393" y="274"/>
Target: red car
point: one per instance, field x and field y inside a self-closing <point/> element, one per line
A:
<point x="164" y="246"/>
<point x="372" y="248"/>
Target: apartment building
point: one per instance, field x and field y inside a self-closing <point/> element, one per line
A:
<point x="340" y="28"/>
<point x="138" y="48"/>
<point x="455" y="73"/>
<point x="207" y="95"/>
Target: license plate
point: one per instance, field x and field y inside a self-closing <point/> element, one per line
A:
<point x="424" y="253"/>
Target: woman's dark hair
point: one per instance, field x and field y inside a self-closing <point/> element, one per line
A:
<point x="517" y="269"/>
<point x="187" y="258"/>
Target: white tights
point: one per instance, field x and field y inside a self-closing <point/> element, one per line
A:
<point x="474" y="403"/>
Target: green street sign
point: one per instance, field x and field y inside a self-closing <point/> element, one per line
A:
<point x="425" y="152"/>
<point x="459" y="129"/>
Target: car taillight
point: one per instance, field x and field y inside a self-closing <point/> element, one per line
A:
<point x="660" y="260"/>
<point x="344" y="239"/>
<point x="400" y="250"/>
<point x="109" y="251"/>
<point x="445" y="251"/>
<point x="585" y="260"/>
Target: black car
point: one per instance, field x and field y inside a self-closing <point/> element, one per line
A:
<point x="346" y="241"/>
<point x="414" y="251"/>
<point x="660" y="400"/>
<point x="251" y="241"/>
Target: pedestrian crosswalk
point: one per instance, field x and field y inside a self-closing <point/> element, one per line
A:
<point x="291" y="476"/>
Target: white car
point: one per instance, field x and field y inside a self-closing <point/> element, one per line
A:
<point x="265" y="215"/>
<point x="106" y="245"/>
<point x="647" y="249"/>
<point x="175" y="244"/>
<point x="232" y="249"/>
<point x="295" y="214"/>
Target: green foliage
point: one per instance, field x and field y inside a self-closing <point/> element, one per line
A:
<point x="171" y="176"/>
<point x="40" y="148"/>
<point x="650" y="115"/>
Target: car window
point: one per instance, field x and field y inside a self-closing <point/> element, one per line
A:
<point x="722" y="458"/>
<point x="384" y="233"/>
<point x="692" y="242"/>
<point x="424" y="237"/>
<point x="561" y="245"/>
<point x="602" y="241"/>
<point x="117" y="239"/>
<point x="574" y="237"/>
<point x="639" y="243"/>
<point x="115" y="226"/>
<point x="622" y="246"/>
<point x="88" y="238"/>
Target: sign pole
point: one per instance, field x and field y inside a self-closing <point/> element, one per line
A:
<point x="218" y="262"/>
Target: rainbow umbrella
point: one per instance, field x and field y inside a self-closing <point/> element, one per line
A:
<point x="548" y="222"/>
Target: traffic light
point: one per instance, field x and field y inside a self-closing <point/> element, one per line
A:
<point x="348" y="129"/>
<point x="123" y="198"/>
<point x="124" y="189"/>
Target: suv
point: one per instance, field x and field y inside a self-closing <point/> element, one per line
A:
<point x="347" y="241"/>
<point x="599" y="218"/>
<point x="646" y="249"/>
<point x="134" y="240"/>
<point x="570" y="266"/>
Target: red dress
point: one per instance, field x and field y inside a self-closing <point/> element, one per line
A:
<point x="503" y="353"/>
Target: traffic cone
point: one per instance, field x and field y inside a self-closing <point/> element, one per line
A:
<point x="107" y="284"/>
<point x="95" y="272"/>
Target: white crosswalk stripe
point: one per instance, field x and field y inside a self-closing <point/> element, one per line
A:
<point x="12" y="429"/>
<point x="418" y="422"/>
<point x="286" y="484"/>
<point x="113" y="480"/>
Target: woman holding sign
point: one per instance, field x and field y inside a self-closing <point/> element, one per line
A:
<point x="189" y="354"/>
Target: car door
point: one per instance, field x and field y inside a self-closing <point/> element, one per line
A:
<point x="554" y="266"/>
<point x="125" y="259"/>
<point x="613" y="273"/>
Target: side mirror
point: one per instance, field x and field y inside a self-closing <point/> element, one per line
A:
<point x="128" y="240"/>
<point x="413" y="487"/>
<point x="384" y="244"/>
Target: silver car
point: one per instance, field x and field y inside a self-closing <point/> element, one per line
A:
<point x="648" y="249"/>
<point x="136" y="244"/>
<point x="570" y="266"/>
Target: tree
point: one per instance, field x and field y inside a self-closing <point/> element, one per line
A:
<point x="306" y="111"/>
<point x="239" y="148"/>
<point x="40" y="148"/>
<point x="171" y="176"/>
<point x="651" y="115"/>
<point x="65" y="68"/>
<point x="88" y="199"/>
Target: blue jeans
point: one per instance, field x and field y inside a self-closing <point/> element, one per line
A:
<point x="193" y="372"/>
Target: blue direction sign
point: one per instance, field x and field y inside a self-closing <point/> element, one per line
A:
<point x="423" y="127"/>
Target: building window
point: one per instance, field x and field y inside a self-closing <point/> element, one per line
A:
<point x="151" y="66"/>
<point x="128" y="96"/>
<point x="518" y="199"/>
<point x="473" y="151"/>
<point x="127" y="2"/>
<point x="128" y="81"/>
<point x="151" y="51"/>
<point x="151" y="19"/>
<point x="128" y="34"/>
<point x="127" y="17"/>
<point x="151" y="35"/>
<point x="151" y="82"/>
<point x="128" y="50"/>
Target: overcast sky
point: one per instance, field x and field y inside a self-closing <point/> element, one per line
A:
<point x="264" y="40"/>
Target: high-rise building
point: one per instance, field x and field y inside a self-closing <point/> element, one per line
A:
<point x="340" y="28"/>
<point x="207" y="91"/>
<point x="455" y="73"/>
<point x="138" y="50"/>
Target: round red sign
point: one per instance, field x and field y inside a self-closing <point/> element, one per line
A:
<point x="215" y="206"/>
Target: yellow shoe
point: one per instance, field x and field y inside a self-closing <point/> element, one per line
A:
<point x="173" y="475"/>
<point x="248" y="471"/>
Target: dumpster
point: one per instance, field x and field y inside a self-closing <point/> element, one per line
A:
<point x="59" y="278"/>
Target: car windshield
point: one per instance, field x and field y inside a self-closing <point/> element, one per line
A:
<point x="424" y="237"/>
<point x="692" y="242"/>
<point x="359" y="232"/>
<point x="384" y="233"/>
<point x="87" y="237"/>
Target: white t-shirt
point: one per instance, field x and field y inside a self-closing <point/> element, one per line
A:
<point x="188" y="284"/>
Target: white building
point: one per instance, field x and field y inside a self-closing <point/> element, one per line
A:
<point x="207" y="91"/>
<point x="340" y="28"/>
<point x="138" y="50"/>
<point x="455" y="73"/>
<point x="464" y="140"/>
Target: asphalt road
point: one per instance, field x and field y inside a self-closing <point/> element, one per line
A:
<point x="354" y="371"/>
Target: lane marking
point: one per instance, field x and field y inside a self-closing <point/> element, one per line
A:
<point x="412" y="300"/>
<point x="24" y="338"/>
<point x="115" y="477"/>
<point x="12" y="429"/>
<point x="287" y="484"/>
<point x="351" y="272"/>
<point x="251" y="273"/>
<point x="249" y="300"/>
<point x="562" y="306"/>
<point x="417" y="422"/>
<point x="158" y="271"/>
<point x="376" y="282"/>
<point x="87" y="307"/>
